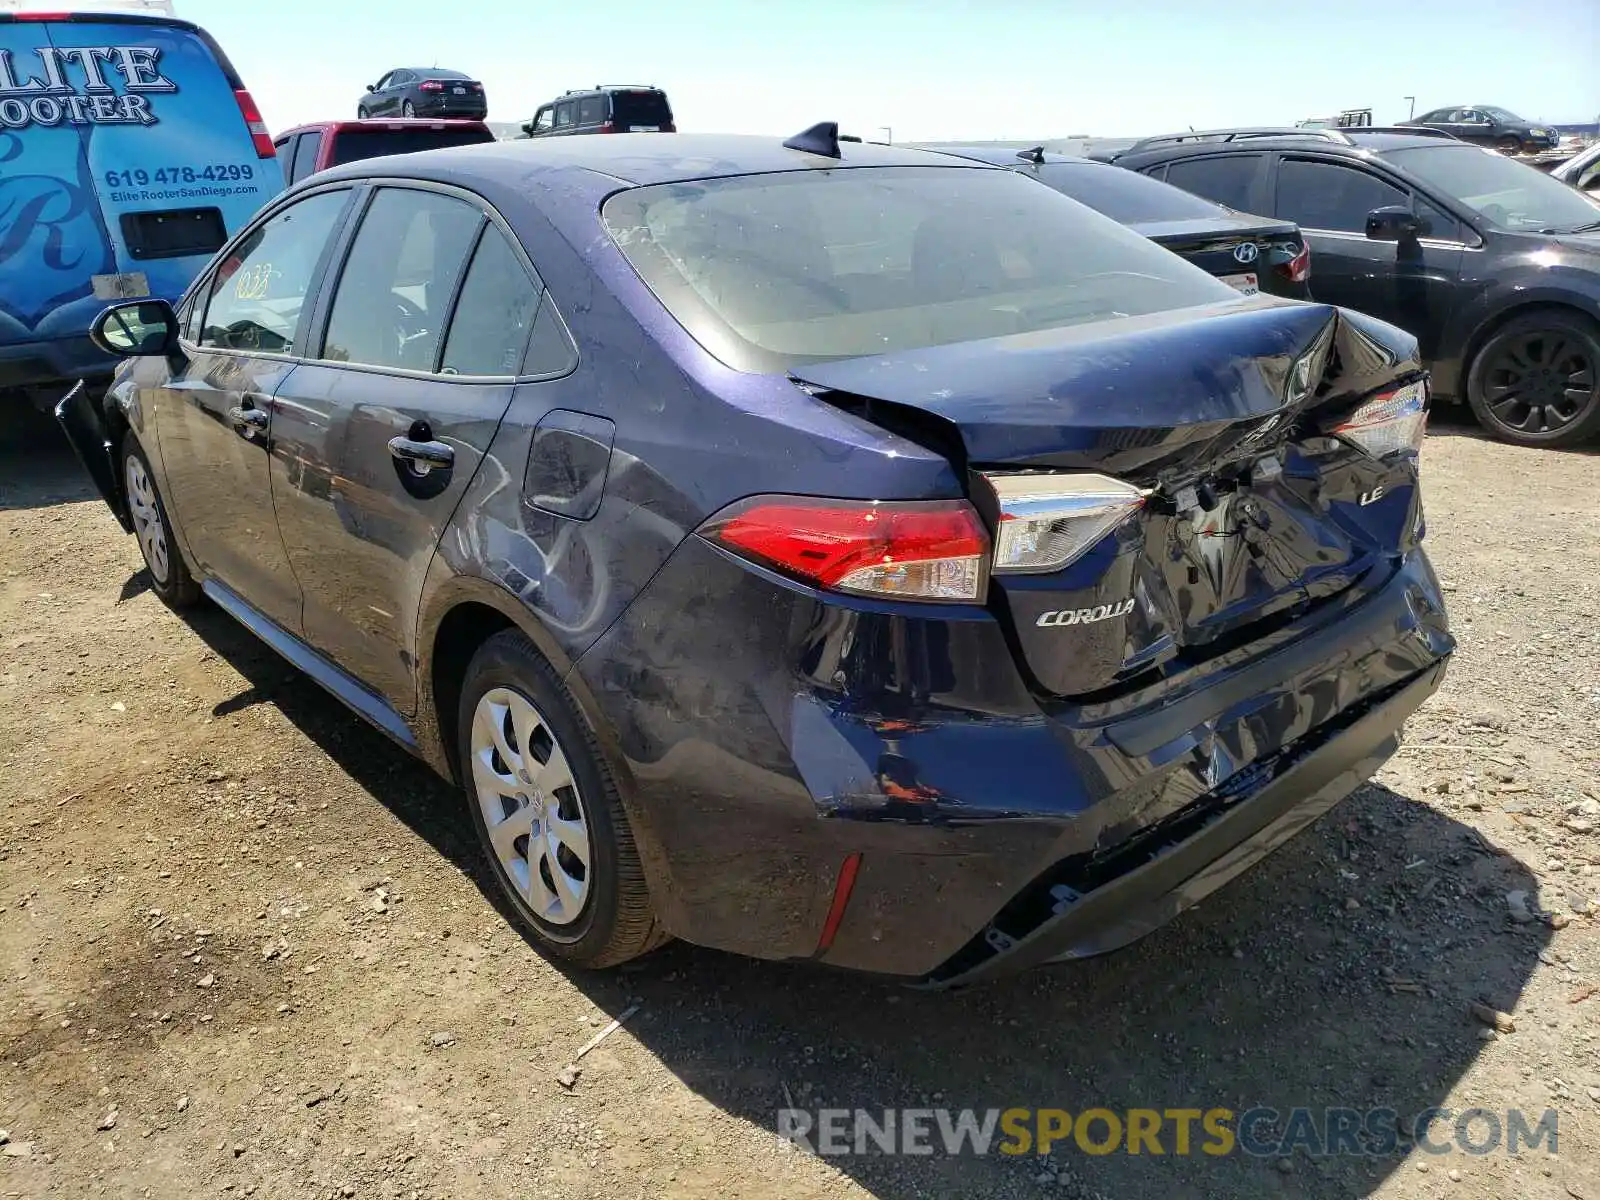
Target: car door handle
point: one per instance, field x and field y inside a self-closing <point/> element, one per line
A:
<point x="422" y="456"/>
<point x="257" y="419"/>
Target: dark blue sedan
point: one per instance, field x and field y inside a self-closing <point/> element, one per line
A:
<point x="815" y="551"/>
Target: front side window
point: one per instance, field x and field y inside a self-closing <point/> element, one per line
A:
<point x="257" y="294"/>
<point x="544" y="120"/>
<point x="390" y="306"/>
<point x="489" y="331"/>
<point x="1508" y="194"/>
<point x="1324" y="195"/>
<point x="771" y="271"/>
<point x="1225" y="178"/>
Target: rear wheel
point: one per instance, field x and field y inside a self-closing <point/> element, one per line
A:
<point x="547" y="810"/>
<point x="408" y="109"/>
<point x="1536" y="381"/>
<point x="169" y="574"/>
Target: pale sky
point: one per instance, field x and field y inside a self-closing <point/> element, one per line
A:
<point x="932" y="69"/>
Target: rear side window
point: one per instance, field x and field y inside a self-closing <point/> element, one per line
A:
<point x="630" y="109"/>
<point x="305" y="156"/>
<point x="1124" y="196"/>
<point x="769" y="271"/>
<point x="353" y="145"/>
<point x="1324" y="195"/>
<point x="1225" y="178"/>
<point x="489" y="331"/>
<point x="565" y="114"/>
<point x="394" y="292"/>
<point x="592" y="110"/>
<point x="257" y="294"/>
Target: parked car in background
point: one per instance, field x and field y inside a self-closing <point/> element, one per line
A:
<point x="307" y="149"/>
<point x="900" y="567"/>
<point x="120" y="180"/>
<point x="1491" y="126"/>
<point x="1581" y="171"/>
<point x="1493" y="265"/>
<point x="1248" y="253"/>
<point x="424" y="92"/>
<point x="604" y="108"/>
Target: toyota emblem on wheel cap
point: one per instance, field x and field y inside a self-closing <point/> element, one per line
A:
<point x="1246" y="252"/>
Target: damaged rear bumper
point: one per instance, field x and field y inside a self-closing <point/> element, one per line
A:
<point x="1302" y="788"/>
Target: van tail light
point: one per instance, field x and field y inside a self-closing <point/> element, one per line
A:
<point x="608" y="127"/>
<point x="1047" y="521"/>
<point x="432" y="85"/>
<point x="254" y="123"/>
<point x="895" y="550"/>
<point x="1298" y="268"/>
<point x="1390" y="423"/>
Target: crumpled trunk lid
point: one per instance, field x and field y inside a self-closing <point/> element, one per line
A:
<point x="1254" y="513"/>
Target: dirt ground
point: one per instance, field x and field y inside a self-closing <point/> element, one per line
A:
<point x="206" y="993"/>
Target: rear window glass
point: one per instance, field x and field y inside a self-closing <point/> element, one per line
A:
<point x="1125" y="195"/>
<point x="640" y="108"/>
<point x="771" y="271"/>
<point x="354" y="145"/>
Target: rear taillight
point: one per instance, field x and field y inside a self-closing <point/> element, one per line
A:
<point x="1298" y="268"/>
<point x="1047" y="521"/>
<point x="900" y="550"/>
<point x="431" y="85"/>
<point x="257" y="127"/>
<point x="1389" y="423"/>
<point x="608" y="127"/>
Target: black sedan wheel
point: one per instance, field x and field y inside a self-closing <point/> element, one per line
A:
<point x="1536" y="381"/>
<point x="1509" y="145"/>
<point x="408" y="109"/>
<point x="169" y="574"/>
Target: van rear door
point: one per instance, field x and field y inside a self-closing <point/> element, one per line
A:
<point x="145" y="131"/>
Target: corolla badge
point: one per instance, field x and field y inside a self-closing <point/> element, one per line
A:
<point x="1084" y="616"/>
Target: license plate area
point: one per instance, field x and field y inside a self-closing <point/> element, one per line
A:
<point x="1246" y="283"/>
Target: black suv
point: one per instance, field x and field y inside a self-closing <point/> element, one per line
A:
<point x="1493" y="265"/>
<point x="1491" y="126"/>
<point x="604" y="108"/>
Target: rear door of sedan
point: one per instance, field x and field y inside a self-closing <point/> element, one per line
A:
<point x="421" y="335"/>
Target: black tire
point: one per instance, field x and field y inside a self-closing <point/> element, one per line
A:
<point x="1536" y="381"/>
<point x="617" y="921"/>
<point x="169" y="574"/>
<point x="361" y="112"/>
<point x="1510" y="144"/>
<point x="408" y="109"/>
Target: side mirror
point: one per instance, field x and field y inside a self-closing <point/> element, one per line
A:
<point x="1394" y="223"/>
<point x="372" y="87"/>
<point x="142" y="329"/>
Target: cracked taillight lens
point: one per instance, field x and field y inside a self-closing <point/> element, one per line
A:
<point x="1390" y="423"/>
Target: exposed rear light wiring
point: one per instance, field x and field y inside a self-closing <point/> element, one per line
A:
<point x="1392" y="422"/>
<point x="895" y="550"/>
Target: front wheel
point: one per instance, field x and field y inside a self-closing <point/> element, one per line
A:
<point x="361" y="112"/>
<point x="547" y="810"/>
<point x="408" y="109"/>
<point x="169" y="574"/>
<point x="1509" y="145"/>
<point x="1536" y="381"/>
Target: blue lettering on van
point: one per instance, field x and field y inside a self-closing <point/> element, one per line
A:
<point x="72" y="86"/>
